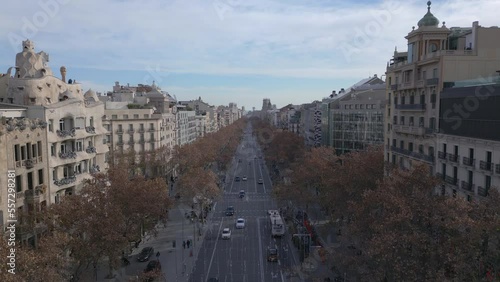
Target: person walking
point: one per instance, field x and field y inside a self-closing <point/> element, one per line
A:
<point x="183" y="244"/>
<point x="188" y="243"/>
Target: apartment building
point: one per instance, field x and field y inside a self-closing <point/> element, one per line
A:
<point x="186" y="125"/>
<point x="468" y="142"/>
<point x="52" y="133"/>
<point x="23" y="149"/>
<point x="310" y="124"/>
<point x="357" y="119"/>
<point x="436" y="58"/>
<point x="206" y="116"/>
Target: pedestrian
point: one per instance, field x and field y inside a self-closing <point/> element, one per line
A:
<point x="188" y="243"/>
<point x="183" y="244"/>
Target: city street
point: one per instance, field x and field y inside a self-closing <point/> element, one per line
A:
<point x="244" y="256"/>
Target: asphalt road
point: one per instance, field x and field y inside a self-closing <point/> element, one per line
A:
<point x="244" y="256"/>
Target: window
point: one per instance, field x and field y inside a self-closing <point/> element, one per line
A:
<point x="80" y="122"/>
<point x="51" y="125"/>
<point x="91" y="121"/>
<point x="410" y="146"/>
<point x="79" y="145"/>
<point x="19" y="186"/>
<point x="114" y="116"/>
<point x="23" y="153"/>
<point x="435" y="73"/>
<point x="30" y="180"/>
<point x="146" y="116"/>
<point x="487" y="182"/>
<point x="412" y="99"/>
<point x="403" y="100"/>
<point x="401" y="144"/>
<point x="52" y="149"/>
<point x="125" y="116"/>
<point x="136" y="116"/>
<point x="422" y="99"/>
<point x="63" y="148"/>
<point x="395" y="119"/>
<point x="411" y="121"/>
<point x="394" y="142"/>
<point x="40" y="176"/>
<point x="421" y="149"/>
<point x="16" y="153"/>
<point x="61" y="124"/>
<point x="54" y="174"/>
<point x="402" y="120"/>
<point x="421" y="122"/>
<point x="39" y="144"/>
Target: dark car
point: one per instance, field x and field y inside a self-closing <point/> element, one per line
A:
<point x="272" y="254"/>
<point x="230" y="210"/>
<point x="213" y="279"/>
<point x="237" y="179"/>
<point x="242" y="194"/>
<point x="145" y="254"/>
<point x="260" y="181"/>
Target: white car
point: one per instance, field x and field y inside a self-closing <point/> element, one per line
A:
<point x="240" y="223"/>
<point x="244" y="178"/>
<point x="226" y="233"/>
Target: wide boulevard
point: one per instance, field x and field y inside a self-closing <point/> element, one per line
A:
<point x="244" y="256"/>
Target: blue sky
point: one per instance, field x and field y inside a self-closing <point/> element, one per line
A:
<point x="242" y="51"/>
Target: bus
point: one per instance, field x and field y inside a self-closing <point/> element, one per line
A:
<point x="277" y="224"/>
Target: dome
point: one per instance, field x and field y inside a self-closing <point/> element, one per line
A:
<point x="428" y="19"/>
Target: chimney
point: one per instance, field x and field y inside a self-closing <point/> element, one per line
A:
<point x="375" y="75"/>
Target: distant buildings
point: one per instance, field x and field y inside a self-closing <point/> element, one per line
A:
<point x="53" y="135"/>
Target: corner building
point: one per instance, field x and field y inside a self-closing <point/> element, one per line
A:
<point x="437" y="58"/>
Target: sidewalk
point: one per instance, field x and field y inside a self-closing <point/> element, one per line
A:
<point x="177" y="262"/>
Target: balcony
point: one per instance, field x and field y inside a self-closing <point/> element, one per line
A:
<point x="440" y="176"/>
<point x="394" y="87"/>
<point x="120" y="143"/>
<point x="407" y="85"/>
<point x="151" y="130"/>
<point x="152" y="139"/>
<point x="482" y="191"/>
<point x="432" y="81"/>
<point x="64" y="181"/>
<point x="485" y="166"/>
<point x="141" y="130"/>
<point x="410" y="107"/>
<point x="131" y="142"/>
<point x="451" y="180"/>
<point x="442" y="155"/>
<point x="415" y="155"/>
<point x="142" y="141"/>
<point x="468" y="162"/>
<point x="467" y="186"/>
<point x="91" y="150"/>
<point x="497" y="168"/>
<point x="119" y="131"/>
<point x="131" y="131"/>
<point x="33" y="194"/>
<point x="29" y="163"/>
<point x="67" y="155"/>
<point x="90" y="129"/>
<point x="66" y="133"/>
<point x="453" y="158"/>
<point x="94" y="169"/>
<point x="413" y="130"/>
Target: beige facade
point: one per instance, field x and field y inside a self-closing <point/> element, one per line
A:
<point x="436" y="58"/>
<point x="23" y="150"/>
<point x="74" y="131"/>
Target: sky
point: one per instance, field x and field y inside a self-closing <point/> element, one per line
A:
<point x="240" y="51"/>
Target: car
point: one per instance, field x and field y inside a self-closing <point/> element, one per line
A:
<point x="260" y="181"/>
<point x="240" y="223"/>
<point x="213" y="279"/>
<point x="226" y="233"/>
<point x="244" y="178"/>
<point x="242" y="194"/>
<point x="237" y="179"/>
<point x="230" y="210"/>
<point x="145" y="254"/>
<point x="272" y="254"/>
<point x="239" y="160"/>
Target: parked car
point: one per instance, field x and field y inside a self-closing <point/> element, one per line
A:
<point x="240" y="223"/>
<point x="237" y="179"/>
<point x="226" y="233"/>
<point x="272" y="254"/>
<point x="230" y="210"/>
<point x="242" y="194"/>
<point x="260" y="181"/>
<point x="145" y="254"/>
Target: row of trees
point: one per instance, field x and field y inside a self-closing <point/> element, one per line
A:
<point x="394" y="226"/>
<point x="114" y="209"/>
